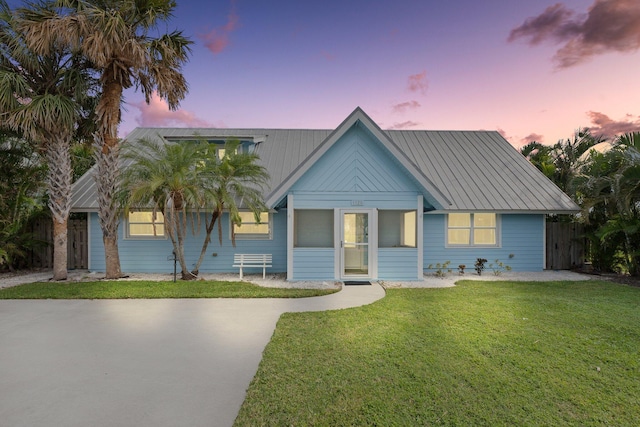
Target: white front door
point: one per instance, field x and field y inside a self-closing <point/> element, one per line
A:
<point x="356" y="250"/>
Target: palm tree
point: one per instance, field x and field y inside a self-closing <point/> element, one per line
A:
<point x="166" y="178"/>
<point x="566" y="156"/>
<point x="232" y="181"/>
<point x="43" y="96"/>
<point x="609" y="193"/>
<point x="115" y="35"/>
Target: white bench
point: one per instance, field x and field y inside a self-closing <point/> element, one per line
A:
<point x="252" y="260"/>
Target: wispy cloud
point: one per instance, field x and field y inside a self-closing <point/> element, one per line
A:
<point x="404" y="125"/>
<point x="607" y="127"/>
<point x="418" y="83"/>
<point x="217" y="39"/>
<point x="608" y="26"/>
<point x="406" y="106"/>
<point x="157" y="113"/>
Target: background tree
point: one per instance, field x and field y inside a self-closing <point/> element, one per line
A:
<point x="540" y="156"/>
<point x="44" y="96"/>
<point x="608" y="190"/>
<point x="561" y="161"/>
<point x="22" y="187"/>
<point x="568" y="156"/>
<point x="116" y="37"/>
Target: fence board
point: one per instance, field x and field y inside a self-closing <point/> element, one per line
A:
<point x="77" y="244"/>
<point x="564" y="245"/>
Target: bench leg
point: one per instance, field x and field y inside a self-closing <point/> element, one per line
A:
<point x="264" y="271"/>
<point x="240" y="272"/>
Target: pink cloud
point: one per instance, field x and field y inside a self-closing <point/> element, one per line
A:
<point x="532" y="137"/>
<point x="217" y="39"/>
<point x="608" y="26"/>
<point x="503" y="133"/>
<point x="404" y="106"/>
<point x="607" y="127"/>
<point x="404" y="125"/>
<point x="418" y="83"/>
<point x="157" y="113"/>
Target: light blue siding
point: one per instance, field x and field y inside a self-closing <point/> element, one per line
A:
<point x="398" y="264"/>
<point x="150" y="256"/>
<point x="522" y="237"/>
<point x="313" y="264"/>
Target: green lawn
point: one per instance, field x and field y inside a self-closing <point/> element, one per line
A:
<point x="479" y="354"/>
<point x="106" y="289"/>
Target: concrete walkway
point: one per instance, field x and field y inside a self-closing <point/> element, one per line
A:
<point x="171" y="362"/>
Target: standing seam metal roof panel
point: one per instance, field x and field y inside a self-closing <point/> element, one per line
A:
<point x="475" y="170"/>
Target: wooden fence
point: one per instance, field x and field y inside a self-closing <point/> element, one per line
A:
<point x="77" y="244"/>
<point x="565" y="246"/>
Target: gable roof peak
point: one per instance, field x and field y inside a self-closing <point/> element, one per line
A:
<point x="357" y="116"/>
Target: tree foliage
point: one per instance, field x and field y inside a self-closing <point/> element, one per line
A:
<point x="121" y="39"/>
<point x="47" y="97"/>
<point x="608" y="190"/>
<point x="22" y="188"/>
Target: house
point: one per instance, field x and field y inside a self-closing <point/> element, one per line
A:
<point x="359" y="202"/>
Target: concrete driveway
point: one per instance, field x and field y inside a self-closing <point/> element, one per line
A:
<point x="170" y="362"/>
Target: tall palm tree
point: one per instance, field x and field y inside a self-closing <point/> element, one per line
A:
<point x="44" y="96"/>
<point x="166" y="178"/>
<point x="116" y="36"/>
<point x="235" y="180"/>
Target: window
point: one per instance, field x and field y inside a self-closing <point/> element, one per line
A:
<point x="313" y="228"/>
<point x="397" y="229"/>
<point x="250" y="229"/>
<point x="220" y="150"/>
<point x="472" y="229"/>
<point x="145" y="224"/>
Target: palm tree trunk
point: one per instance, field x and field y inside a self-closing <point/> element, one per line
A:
<point x="630" y="256"/>
<point x="59" y="188"/>
<point x="106" y="181"/>
<point x="177" y="230"/>
<point x="209" y="228"/>
<point x="106" y="139"/>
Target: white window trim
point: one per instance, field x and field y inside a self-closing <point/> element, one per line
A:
<point x="127" y="236"/>
<point x="254" y="236"/>
<point x="498" y="243"/>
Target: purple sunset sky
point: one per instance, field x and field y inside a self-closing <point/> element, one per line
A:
<point x="529" y="69"/>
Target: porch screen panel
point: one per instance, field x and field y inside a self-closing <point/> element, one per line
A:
<point x="397" y="229"/>
<point x="313" y="228"/>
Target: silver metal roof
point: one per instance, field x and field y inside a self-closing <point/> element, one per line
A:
<point x="473" y="170"/>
